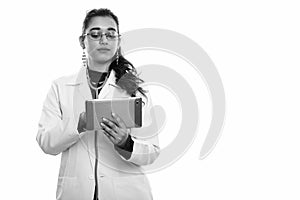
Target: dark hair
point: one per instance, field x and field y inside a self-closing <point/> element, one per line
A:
<point x="125" y="73"/>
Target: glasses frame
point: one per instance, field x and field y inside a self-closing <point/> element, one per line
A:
<point x="102" y="33"/>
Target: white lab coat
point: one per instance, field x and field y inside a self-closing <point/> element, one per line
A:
<point x="118" y="178"/>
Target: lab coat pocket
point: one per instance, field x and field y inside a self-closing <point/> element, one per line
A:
<point x="67" y="188"/>
<point x="135" y="187"/>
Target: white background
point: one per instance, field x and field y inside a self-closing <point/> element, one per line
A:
<point x="255" y="47"/>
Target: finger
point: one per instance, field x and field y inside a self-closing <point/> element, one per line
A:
<point x="81" y="126"/>
<point x="122" y="125"/>
<point x="118" y="133"/>
<point x="112" y="135"/>
<point x="114" y="140"/>
<point x="118" y="120"/>
<point x="111" y="138"/>
<point x="108" y="130"/>
<point x="110" y="123"/>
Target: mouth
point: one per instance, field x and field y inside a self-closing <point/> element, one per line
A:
<point x="103" y="49"/>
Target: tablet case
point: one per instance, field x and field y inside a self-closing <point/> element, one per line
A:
<point x="129" y="110"/>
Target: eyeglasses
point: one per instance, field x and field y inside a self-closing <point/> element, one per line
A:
<point x="96" y="35"/>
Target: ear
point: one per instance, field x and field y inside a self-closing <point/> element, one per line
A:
<point x="81" y="41"/>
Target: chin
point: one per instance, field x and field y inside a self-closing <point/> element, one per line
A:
<point x="103" y="60"/>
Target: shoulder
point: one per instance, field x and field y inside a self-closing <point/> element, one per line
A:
<point x="70" y="79"/>
<point x="65" y="79"/>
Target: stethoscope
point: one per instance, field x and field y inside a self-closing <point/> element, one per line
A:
<point x="96" y="89"/>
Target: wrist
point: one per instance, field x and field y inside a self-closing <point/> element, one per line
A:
<point x="123" y="143"/>
<point x="127" y="144"/>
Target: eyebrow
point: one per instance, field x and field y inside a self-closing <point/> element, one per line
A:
<point x="98" y="28"/>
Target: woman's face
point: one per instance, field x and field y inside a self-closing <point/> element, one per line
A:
<point x="102" y="50"/>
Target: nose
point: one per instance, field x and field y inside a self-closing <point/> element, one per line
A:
<point x="103" y="39"/>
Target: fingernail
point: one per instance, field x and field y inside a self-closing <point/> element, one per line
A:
<point x="113" y="114"/>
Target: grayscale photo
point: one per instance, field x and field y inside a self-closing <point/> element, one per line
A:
<point x="150" y="100"/>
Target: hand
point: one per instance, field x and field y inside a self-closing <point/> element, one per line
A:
<point x="81" y="127"/>
<point x="115" y="130"/>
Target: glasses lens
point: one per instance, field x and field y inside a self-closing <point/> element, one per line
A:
<point x="95" y="35"/>
<point x="111" y="35"/>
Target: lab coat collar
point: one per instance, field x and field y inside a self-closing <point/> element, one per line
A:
<point x="81" y="81"/>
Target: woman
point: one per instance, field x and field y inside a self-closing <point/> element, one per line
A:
<point x="103" y="164"/>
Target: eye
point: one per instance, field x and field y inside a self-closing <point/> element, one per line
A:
<point x="111" y="35"/>
<point x="94" y="34"/>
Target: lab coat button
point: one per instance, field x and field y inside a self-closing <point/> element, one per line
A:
<point x="91" y="177"/>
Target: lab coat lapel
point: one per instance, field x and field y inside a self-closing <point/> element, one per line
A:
<point x="82" y="85"/>
<point x="107" y="86"/>
<point x="84" y="89"/>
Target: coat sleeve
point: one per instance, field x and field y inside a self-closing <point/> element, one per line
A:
<point x="56" y="132"/>
<point x="146" y="145"/>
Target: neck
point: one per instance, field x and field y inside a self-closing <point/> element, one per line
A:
<point x="99" y="67"/>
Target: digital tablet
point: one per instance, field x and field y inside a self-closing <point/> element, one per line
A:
<point x="129" y="109"/>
